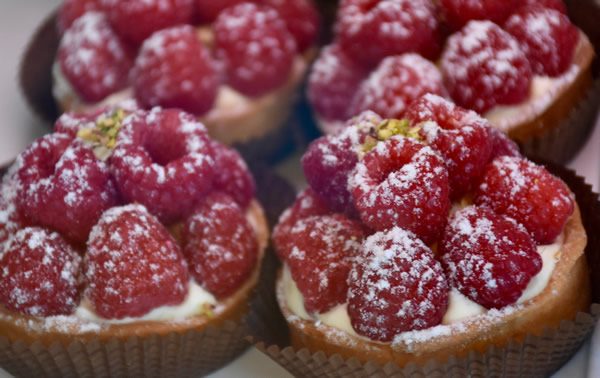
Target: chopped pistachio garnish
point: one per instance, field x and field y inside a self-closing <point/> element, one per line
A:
<point x="387" y="129"/>
<point x="207" y="309"/>
<point x="103" y="135"/>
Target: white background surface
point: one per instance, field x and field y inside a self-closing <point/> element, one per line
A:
<point x="18" y="127"/>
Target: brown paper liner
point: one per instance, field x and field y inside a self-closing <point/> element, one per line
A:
<point x="534" y="356"/>
<point x="185" y="352"/>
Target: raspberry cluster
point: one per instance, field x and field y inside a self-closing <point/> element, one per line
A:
<point x="382" y="57"/>
<point x="96" y="210"/>
<point x="178" y="53"/>
<point x="398" y="212"/>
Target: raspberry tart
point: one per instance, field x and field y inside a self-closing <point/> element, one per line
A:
<point x="126" y="230"/>
<point x="431" y="237"/>
<point x="524" y="67"/>
<point x="235" y="65"/>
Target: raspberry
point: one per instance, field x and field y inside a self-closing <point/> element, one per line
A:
<point x="460" y="12"/>
<point x="529" y="194"/>
<point x="208" y="10"/>
<point x="489" y="258"/>
<point x="93" y="59"/>
<point x="220" y="245"/>
<point x="169" y="168"/>
<point x="175" y="70"/>
<point x="320" y="257"/>
<point x="370" y="30"/>
<point x="483" y="67"/>
<point x="136" y="20"/>
<point x="502" y="145"/>
<point x="257" y="49"/>
<point x="402" y="183"/>
<point x="557" y="5"/>
<point x="307" y="204"/>
<point x="396" y="83"/>
<point x="301" y="18"/>
<point x="40" y="274"/>
<point x="133" y="264"/>
<point x="65" y="187"/>
<point x="333" y="82"/>
<point x="11" y="219"/>
<point x="459" y="135"/>
<point x="395" y="286"/>
<point x="547" y="38"/>
<point x="71" y="10"/>
<point x="232" y="175"/>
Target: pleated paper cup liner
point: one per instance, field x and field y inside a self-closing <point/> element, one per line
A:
<point x="533" y="356"/>
<point x="162" y="351"/>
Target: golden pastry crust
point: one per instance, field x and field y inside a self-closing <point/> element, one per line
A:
<point x="567" y="293"/>
<point x="234" y="308"/>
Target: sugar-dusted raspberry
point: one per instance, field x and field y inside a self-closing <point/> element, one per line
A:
<point x="460" y="136"/>
<point x="232" y="175"/>
<point x="93" y="59"/>
<point x="136" y="20"/>
<point x="320" y="257"/>
<point x="133" y="264"/>
<point x="557" y="5"/>
<point x="396" y="83"/>
<point x="302" y="20"/>
<point x="457" y="13"/>
<point x="40" y="274"/>
<point x="370" y="30"/>
<point x="529" y="194"/>
<point x="547" y="38"/>
<point x="64" y="186"/>
<point x="396" y="285"/>
<point x="307" y="204"/>
<point x="169" y="167"/>
<point x="11" y="219"/>
<point x="333" y="82"/>
<point x="483" y="66"/>
<point x="70" y="10"/>
<point x="489" y="258"/>
<point x="502" y="145"/>
<point x="220" y="245"/>
<point x="175" y="70"/>
<point x="256" y="47"/>
<point x="402" y="183"/>
<point x="208" y="10"/>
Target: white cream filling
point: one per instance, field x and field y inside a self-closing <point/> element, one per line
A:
<point x="459" y="306"/>
<point x="195" y="303"/>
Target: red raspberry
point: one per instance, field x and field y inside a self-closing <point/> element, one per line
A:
<point x="395" y="286"/>
<point x="65" y="187"/>
<point x="460" y="12"/>
<point x="370" y="30"/>
<point x="71" y="10"/>
<point x="93" y="59"/>
<point x="169" y="168"/>
<point x="489" y="258"/>
<point x="529" y="194"/>
<point x="11" y="219"/>
<point x="460" y="136"/>
<point x="136" y="20"/>
<point x="220" y="245"/>
<point x="175" y="70"/>
<point x="402" y="183"/>
<point x="256" y="47"/>
<point x="557" y="5"/>
<point x="333" y="82"/>
<point x="40" y="274"/>
<point x="320" y="257"/>
<point x="307" y="204"/>
<point x="232" y="175"/>
<point x="208" y="10"/>
<point x="133" y="265"/>
<point x="302" y="20"/>
<point x="547" y="38"/>
<point x="396" y="83"/>
<point x="502" y="145"/>
<point x="483" y="67"/>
